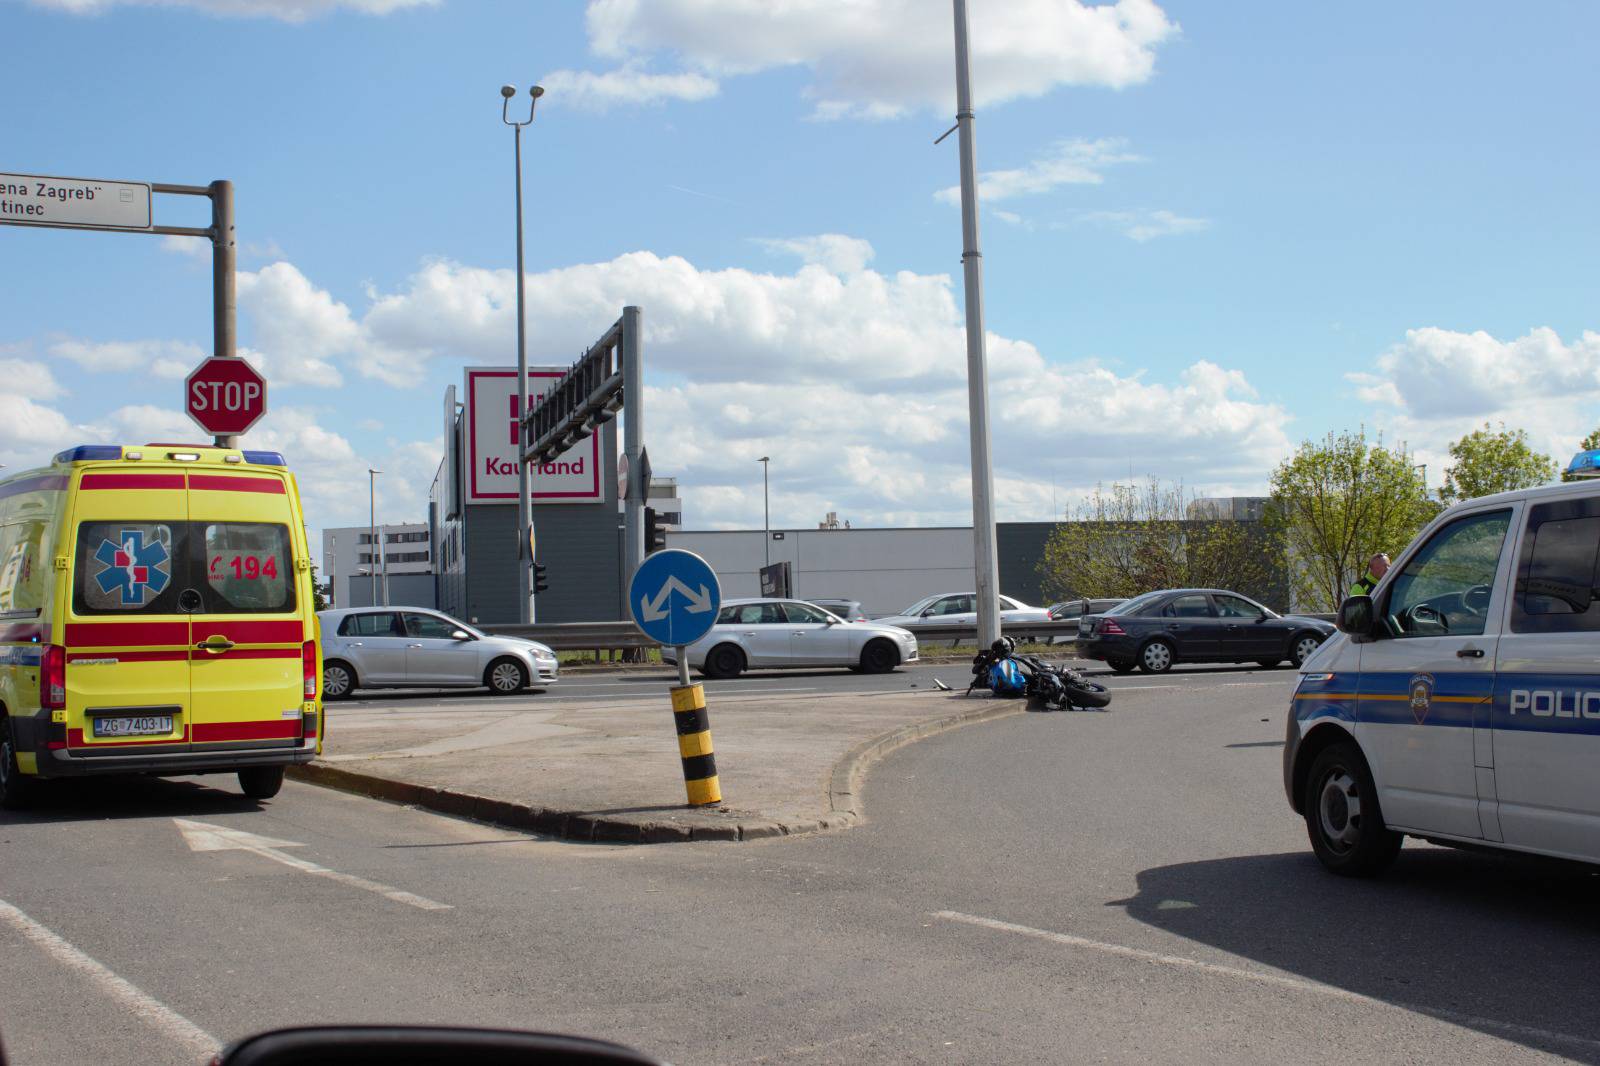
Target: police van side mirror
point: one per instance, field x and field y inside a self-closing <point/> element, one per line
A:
<point x="1356" y="617"/>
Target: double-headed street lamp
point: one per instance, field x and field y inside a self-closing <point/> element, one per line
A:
<point x="524" y="479"/>
<point x="372" y="531"/>
<point x="766" y="512"/>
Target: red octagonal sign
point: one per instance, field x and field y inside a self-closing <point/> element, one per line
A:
<point x="225" y="397"/>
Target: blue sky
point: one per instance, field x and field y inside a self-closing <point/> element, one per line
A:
<point x="1210" y="232"/>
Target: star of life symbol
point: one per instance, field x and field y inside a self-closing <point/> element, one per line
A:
<point x="138" y="569"/>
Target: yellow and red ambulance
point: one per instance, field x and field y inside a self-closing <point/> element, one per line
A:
<point x="156" y="617"/>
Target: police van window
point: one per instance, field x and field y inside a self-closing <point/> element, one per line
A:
<point x="1444" y="589"/>
<point x="1556" y="578"/>
<point x="128" y="567"/>
<point x="248" y="567"/>
<point x="371" y="624"/>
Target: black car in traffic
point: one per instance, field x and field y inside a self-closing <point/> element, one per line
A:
<point x="1157" y="629"/>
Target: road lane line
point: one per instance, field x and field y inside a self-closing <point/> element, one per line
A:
<point x="203" y="836"/>
<point x="1296" y="984"/>
<point x="144" y="1006"/>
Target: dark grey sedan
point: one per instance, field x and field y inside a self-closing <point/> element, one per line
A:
<point x="1153" y="631"/>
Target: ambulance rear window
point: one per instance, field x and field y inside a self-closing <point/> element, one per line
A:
<point x="128" y="567"/>
<point x="247" y="567"/>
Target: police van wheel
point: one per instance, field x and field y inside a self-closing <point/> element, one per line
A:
<point x="505" y="676"/>
<point x="338" y="681"/>
<point x="16" y="791"/>
<point x="1156" y="658"/>
<point x="1342" y="815"/>
<point x="261" y="782"/>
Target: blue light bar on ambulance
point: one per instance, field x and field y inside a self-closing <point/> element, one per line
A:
<point x="89" y="452"/>
<point x="265" y="458"/>
<point x="1585" y="464"/>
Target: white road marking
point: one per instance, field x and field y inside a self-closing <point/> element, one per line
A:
<point x="145" y="1007"/>
<point x="203" y="836"/>
<point x="1276" y="980"/>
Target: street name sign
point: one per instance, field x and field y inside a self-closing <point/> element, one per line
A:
<point x="674" y="597"/>
<point x="225" y="397"/>
<point x="80" y="203"/>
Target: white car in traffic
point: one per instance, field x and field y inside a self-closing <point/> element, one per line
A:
<point x="961" y="608"/>
<point x="755" y="634"/>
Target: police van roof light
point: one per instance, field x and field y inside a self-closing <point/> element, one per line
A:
<point x="265" y="458"/>
<point x="1585" y="464"/>
<point x="89" y="452"/>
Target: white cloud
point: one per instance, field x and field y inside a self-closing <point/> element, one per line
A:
<point x="28" y="377"/>
<point x="628" y="85"/>
<point x="298" y="328"/>
<point x="283" y="10"/>
<point x="1438" y="384"/>
<point x="883" y="58"/>
<point x="1075" y="162"/>
<point x="834" y="252"/>
<point x="853" y="379"/>
<point x="1148" y="225"/>
<point x="163" y="359"/>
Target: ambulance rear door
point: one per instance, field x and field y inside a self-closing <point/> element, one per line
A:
<point x="249" y="627"/>
<point x="126" y="635"/>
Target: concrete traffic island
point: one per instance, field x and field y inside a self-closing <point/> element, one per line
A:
<point x="612" y="774"/>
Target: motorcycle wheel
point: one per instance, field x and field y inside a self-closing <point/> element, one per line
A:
<point x="1087" y="694"/>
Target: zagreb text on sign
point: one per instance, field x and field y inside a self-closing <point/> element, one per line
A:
<point x="32" y="199"/>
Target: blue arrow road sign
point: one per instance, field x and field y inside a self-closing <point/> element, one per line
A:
<point x="674" y="597"/>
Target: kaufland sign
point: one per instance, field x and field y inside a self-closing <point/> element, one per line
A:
<point x="490" y="432"/>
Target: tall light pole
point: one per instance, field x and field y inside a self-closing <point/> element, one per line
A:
<point x="766" y="511"/>
<point x="524" y="478"/>
<point x="986" y="566"/>
<point x="372" y="532"/>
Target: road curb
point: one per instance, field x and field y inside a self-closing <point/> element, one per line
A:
<point x="844" y="801"/>
<point x="849" y="773"/>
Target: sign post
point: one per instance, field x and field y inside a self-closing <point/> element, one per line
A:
<point x="674" y="597"/>
<point x="124" y="207"/>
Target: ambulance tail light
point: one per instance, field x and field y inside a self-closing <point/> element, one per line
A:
<point x="308" y="668"/>
<point x="53" y="678"/>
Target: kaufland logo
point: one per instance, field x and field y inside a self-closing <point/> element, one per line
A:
<point x="508" y="467"/>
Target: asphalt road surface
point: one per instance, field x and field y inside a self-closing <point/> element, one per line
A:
<point x="1126" y="886"/>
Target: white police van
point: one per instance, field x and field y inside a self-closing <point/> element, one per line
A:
<point x="1460" y="702"/>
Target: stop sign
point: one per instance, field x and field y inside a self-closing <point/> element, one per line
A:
<point x="225" y="397"/>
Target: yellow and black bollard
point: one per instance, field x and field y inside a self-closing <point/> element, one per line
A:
<point x="694" y="742"/>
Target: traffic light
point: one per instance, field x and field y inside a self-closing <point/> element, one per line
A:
<point x="539" y="584"/>
<point x="654" y="536"/>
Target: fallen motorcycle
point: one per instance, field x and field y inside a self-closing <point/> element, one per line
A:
<point x="1004" y="673"/>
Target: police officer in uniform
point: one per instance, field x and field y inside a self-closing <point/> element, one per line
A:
<point x="1377" y="566"/>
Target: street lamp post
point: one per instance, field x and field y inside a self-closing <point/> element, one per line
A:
<point x="766" y="511"/>
<point x="524" y="478"/>
<point x="372" y="528"/>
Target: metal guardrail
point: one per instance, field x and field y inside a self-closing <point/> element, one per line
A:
<point x="577" y="636"/>
<point x="598" y="636"/>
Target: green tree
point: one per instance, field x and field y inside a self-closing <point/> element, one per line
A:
<point x="1337" y="501"/>
<point x="318" y="600"/>
<point x="1131" y="538"/>
<point x="1588" y="444"/>
<point x="1490" y="460"/>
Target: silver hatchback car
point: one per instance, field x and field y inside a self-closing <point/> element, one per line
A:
<point x="395" y="647"/>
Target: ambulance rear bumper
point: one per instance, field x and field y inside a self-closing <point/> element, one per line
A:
<point x="70" y="763"/>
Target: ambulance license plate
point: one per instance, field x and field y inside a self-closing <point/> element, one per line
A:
<point x="144" y="726"/>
